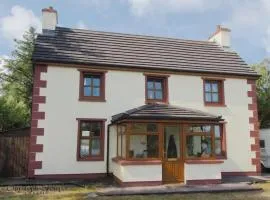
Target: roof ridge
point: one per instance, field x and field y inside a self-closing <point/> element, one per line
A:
<point x="139" y="35"/>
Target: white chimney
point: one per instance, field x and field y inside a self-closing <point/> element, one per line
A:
<point x="222" y="37"/>
<point x="49" y="20"/>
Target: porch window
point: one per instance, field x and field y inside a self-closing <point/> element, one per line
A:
<point x="121" y="141"/>
<point x="214" y="92"/>
<point x="92" y="86"/>
<point x="141" y="141"/>
<point x="156" y="89"/>
<point x="204" y="141"/>
<point x="90" y="139"/>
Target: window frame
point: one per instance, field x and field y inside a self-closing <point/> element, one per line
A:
<point x="100" y="98"/>
<point x="221" y="95"/>
<point x="102" y="135"/>
<point x="212" y="135"/>
<point x="165" y="90"/>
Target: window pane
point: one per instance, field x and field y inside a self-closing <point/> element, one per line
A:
<point x="84" y="148"/>
<point x="96" y="81"/>
<point x="158" y="85"/>
<point x="123" y="146"/>
<point x="150" y="85"/>
<point x="87" y="81"/>
<point x="207" y="87"/>
<point x="95" y="129"/>
<point x="218" y="147"/>
<point x="150" y="95"/>
<point x="208" y="97"/>
<point x="119" y="145"/>
<point x="158" y="94"/>
<point x="215" y="97"/>
<point x="200" y="128"/>
<point x="214" y="87"/>
<point x="95" y="147"/>
<point x="262" y="144"/>
<point x="143" y="146"/>
<point x="96" y="92"/>
<point x="217" y="131"/>
<point x="139" y="128"/>
<point x="152" y="128"/>
<point x="198" y="146"/>
<point x="85" y="126"/>
<point x="87" y="91"/>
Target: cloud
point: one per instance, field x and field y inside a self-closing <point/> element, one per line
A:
<point x="144" y="7"/>
<point x="17" y="22"/>
<point x="81" y="25"/>
<point x="249" y="21"/>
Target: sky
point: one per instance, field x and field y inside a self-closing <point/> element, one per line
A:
<point x="249" y="20"/>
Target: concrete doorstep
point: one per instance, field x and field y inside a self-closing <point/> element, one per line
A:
<point x="177" y="189"/>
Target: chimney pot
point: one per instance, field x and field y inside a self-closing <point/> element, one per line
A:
<point x="221" y="36"/>
<point x="49" y="20"/>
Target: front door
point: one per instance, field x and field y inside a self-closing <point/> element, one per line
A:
<point x="173" y="164"/>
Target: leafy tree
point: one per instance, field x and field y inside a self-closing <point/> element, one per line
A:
<point x="17" y="81"/>
<point x="263" y="92"/>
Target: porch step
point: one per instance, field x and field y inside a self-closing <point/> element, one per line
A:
<point x="178" y="188"/>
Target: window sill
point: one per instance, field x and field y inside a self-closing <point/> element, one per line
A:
<point x="214" y="105"/>
<point x="91" y="159"/>
<point x="120" y="161"/>
<point x="91" y="99"/>
<point x="204" y="161"/>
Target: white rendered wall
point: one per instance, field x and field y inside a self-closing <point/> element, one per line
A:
<point x="202" y="171"/>
<point x="124" y="91"/>
<point x="133" y="173"/>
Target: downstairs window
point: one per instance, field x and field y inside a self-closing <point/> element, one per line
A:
<point x="90" y="140"/>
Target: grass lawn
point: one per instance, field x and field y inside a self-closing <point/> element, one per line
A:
<point x="70" y="193"/>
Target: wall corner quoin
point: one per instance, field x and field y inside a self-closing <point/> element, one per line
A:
<point x="36" y="116"/>
<point x="254" y="122"/>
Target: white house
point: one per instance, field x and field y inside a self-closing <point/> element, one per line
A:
<point x="147" y="110"/>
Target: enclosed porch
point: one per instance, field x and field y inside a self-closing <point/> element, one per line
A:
<point x="160" y="143"/>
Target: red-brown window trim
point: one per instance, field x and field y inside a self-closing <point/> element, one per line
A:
<point x="122" y="161"/>
<point x="204" y="161"/>
<point x="165" y="91"/>
<point x="102" y="136"/>
<point x="100" y="98"/>
<point x="221" y="94"/>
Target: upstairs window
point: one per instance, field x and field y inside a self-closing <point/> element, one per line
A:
<point x="156" y="89"/>
<point x="213" y="92"/>
<point x="92" y="86"/>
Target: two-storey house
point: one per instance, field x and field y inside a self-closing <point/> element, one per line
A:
<point x="147" y="110"/>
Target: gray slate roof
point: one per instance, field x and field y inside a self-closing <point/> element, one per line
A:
<point x="164" y="111"/>
<point x="75" y="46"/>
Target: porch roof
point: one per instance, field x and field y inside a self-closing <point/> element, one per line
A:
<point x="164" y="112"/>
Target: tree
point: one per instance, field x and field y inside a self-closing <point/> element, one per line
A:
<point x="17" y="81"/>
<point x="263" y="92"/>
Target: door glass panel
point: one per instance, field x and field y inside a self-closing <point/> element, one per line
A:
<point x="171" y="142"/>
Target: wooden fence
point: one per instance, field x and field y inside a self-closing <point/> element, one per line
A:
<point x="14" y="152"/>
